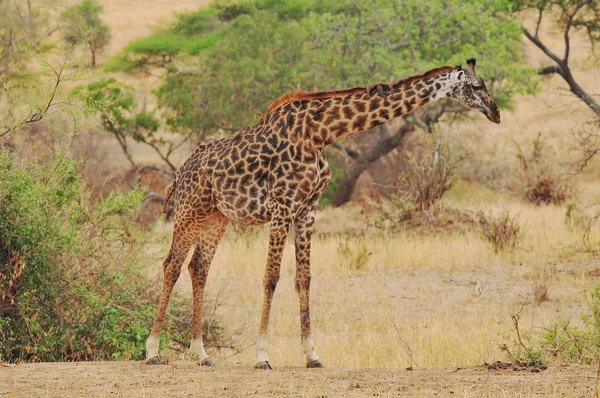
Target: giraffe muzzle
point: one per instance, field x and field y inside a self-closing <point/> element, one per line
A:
<point x="493" y="114"/>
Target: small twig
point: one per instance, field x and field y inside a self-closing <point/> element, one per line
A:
<point x="405" y="345"/>
<point x="515" y="319"/>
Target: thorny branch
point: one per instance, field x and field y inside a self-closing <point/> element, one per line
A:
<point x="39" y="115"/>
<point x="515" y="320"/>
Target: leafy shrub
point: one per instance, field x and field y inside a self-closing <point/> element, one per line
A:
<point x="524" y="352"/>
<point x="573" y="343"/>
<point x="503" y="231"/>
<point x="399" y="212"/>
<point x="70" y="284"/>
<point x="538" y="182"/>
<point x="431" y="174"/>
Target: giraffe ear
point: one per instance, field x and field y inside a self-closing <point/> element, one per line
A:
<point x="471" y="63"/>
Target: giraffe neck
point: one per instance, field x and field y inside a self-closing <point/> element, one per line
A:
<point x="342" y="116"/>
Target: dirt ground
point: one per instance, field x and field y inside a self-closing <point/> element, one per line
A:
<point x="185" y="378"/>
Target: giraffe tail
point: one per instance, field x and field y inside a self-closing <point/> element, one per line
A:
<point x="169" y="193"/>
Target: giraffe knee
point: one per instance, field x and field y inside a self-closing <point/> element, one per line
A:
<point x="198" y="267"/>
<point x="271" y="283"/>
<point x="198" y="273"/>
<point x="168" y="261"/>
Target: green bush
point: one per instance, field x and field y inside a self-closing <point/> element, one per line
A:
<point x="70" y="284"/>
<point x="577" y="343"/>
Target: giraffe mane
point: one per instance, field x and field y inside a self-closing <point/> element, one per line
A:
<point x="311" y="95"/>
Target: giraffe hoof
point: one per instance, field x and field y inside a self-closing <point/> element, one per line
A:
<point x="263" y="365"/>
<point x="153" y="361"/>
<point x="206" y="362"/>
<point x="315" y="364"/>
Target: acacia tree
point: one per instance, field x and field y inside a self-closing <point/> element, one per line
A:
<point x="81" y="22"/>
<point x="228" y="62"/>
<point x="115" y="104"/>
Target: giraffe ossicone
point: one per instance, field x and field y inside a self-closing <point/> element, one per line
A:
<point x="276" y="171"/>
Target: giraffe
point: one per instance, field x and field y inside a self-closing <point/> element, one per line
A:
<point x="276" y="171"/>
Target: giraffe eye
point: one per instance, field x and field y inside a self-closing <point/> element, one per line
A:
<point x="477" y="88"/>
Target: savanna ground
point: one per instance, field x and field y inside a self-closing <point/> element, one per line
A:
<point x="132" y="379"/>
<point x="439" y="303"/>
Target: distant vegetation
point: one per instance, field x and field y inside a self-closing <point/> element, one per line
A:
<point x="211" y="79"/>
<point x="81" y="23"/>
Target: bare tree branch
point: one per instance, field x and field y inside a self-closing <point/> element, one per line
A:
<point x="568" y="27"/>
<point x="562" y="65"/>
<point x="535" y="40"/>
<point x="39" y="115"/>
<point x="165" y="158"/>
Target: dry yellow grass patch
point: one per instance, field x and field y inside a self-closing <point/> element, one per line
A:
<point x="420" y="300"/>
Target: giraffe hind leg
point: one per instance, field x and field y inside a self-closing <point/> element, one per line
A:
<point x="184" y="238"/>
<point x="208" y="240"/>
<point x="303" y="236"/>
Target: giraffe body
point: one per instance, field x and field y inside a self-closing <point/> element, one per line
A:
<point x="276" y="171"/>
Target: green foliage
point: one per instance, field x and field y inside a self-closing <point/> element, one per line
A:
<point x="526" y="352"/>
<point x="159" y="50"/>
<point x="564" y="340"/>
<point x="81" y="23"/>
<point x="530" y="357"/>
<point x="116" y="105"/>
<point x="577" y="343"/>
<point x="70" y="284"/>
<point x="252" y="51"/>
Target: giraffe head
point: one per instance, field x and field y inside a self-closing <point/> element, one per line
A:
<point x="470" y="90"/>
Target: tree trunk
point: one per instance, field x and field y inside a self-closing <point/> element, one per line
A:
<point x="424" y="119"/>
<point x="347" y="184"/>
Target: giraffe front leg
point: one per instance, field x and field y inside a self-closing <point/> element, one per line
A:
<point x="280" y="226"/>
<point x="303" y="236"/>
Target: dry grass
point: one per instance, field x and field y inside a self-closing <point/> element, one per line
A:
<point x="445" y="296"/>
